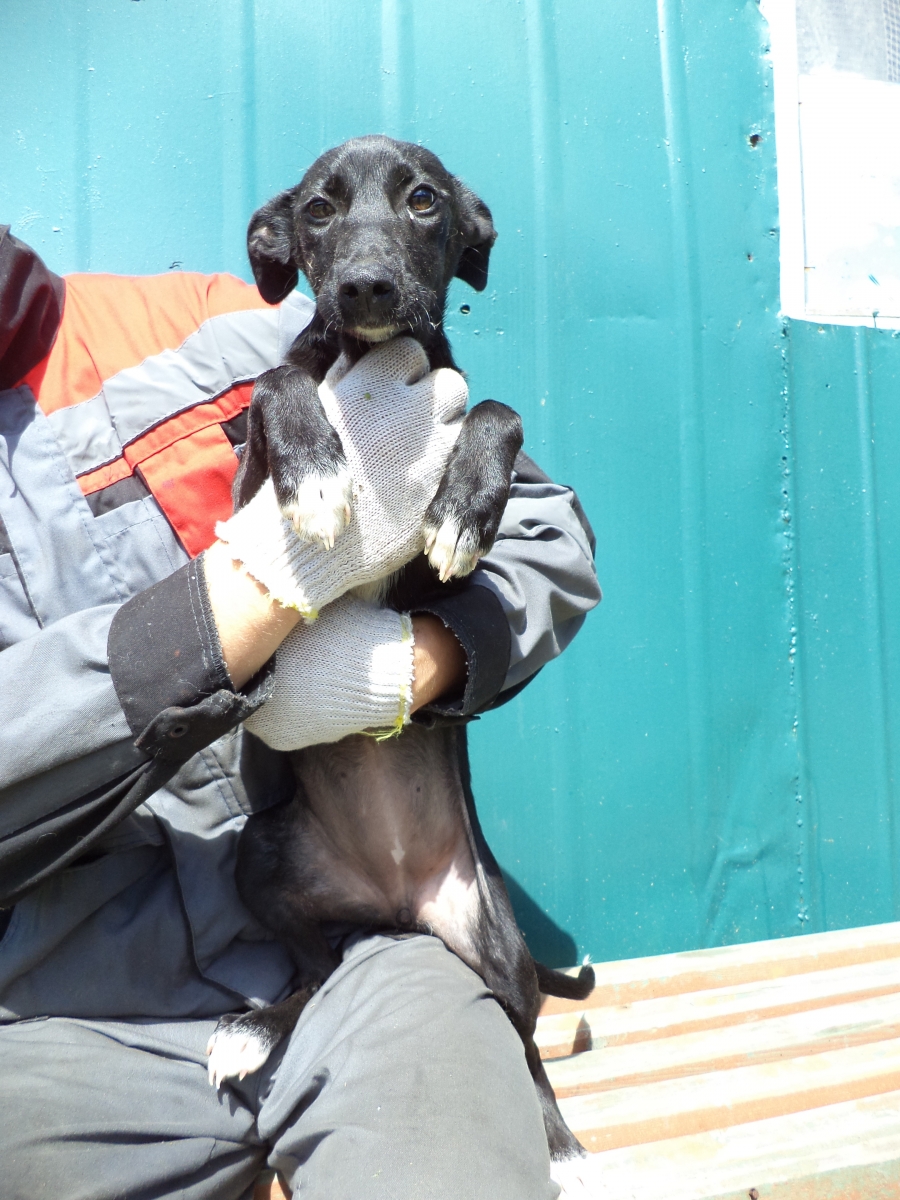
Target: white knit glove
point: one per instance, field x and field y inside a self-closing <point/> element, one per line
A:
<point x="349" y="671"/>
<point x="398" y="426"/>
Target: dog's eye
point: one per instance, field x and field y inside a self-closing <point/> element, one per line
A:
<point x="320" y="209"/>
<point x="421" y="199"/>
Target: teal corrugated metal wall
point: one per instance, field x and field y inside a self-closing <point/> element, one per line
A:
<point x="712" y="761"/>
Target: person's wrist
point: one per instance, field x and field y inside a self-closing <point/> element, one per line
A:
<point x="439" y="662"/>
<point x="251" y="625"/>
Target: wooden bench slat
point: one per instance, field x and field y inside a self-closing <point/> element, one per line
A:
<point x="270" y="1188"/>
<point x="834" y="1028"/>
<point x="673" y="1107"/>
<point x="591" y="1027"/>
<point x="845" y="1137"/>
<point x="625" y="981"/>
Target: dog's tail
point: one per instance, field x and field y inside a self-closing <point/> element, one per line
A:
<point x="570" y="987"/>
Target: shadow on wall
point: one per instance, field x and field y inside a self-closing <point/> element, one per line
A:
<point x="547" y="942"/>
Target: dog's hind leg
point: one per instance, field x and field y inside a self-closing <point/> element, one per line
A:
<point x="242" y="1042"/>
<point x="509" y="971"/>
<point x="521" y="1007"/>
<point x="562" y="1142"/>
<point x="500" y="956"/>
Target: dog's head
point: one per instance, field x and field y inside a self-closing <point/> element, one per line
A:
<point x="379" y="228"/>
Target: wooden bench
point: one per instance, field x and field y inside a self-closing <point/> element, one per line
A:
<point x="771" y="1068"/>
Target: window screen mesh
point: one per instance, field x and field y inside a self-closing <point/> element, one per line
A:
<point x="850" y="35"/>
<point x="892" y="38"/>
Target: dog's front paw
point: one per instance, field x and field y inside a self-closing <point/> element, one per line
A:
<point x="319" y="509"/>
<point x="453" y="550"/>
<point x="238" y="1046"/>
<point x="464" y="517"/>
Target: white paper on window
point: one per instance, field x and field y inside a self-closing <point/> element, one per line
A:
<point x="837" y="98"/>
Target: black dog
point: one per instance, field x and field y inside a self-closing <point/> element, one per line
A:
<point x="380" y="228"/>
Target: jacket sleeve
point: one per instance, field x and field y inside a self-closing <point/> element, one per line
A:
<point x="97" y="712"/>
<point x="31" y="304"/>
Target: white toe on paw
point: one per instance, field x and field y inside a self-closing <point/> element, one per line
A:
<point x="233" y="1053"/>
<point x="452" y="552"/>
<point x="320" y="511"/>
<point x="576" y="1179"/>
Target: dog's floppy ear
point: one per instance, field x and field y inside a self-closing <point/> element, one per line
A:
<point x="477" y="228"/>
<point x="270" y="244"/>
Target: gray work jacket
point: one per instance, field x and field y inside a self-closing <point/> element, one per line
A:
<point x="123" y="789"/>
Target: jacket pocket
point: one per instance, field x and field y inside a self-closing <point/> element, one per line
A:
<point x="17" y="619"/>
<point x="137" y="544"/>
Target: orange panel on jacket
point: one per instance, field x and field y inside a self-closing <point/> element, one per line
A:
<point x="191" y="481"/>
<point x="113" y="322"/>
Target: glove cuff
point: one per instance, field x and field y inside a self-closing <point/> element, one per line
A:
<point x="296" y="573"/>
<point x="350" y="672"/>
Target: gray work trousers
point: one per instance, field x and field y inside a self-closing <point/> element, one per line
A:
<point x="403" y="1080"/>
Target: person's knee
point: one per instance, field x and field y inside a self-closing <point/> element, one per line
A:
<point x="404" y="1063"/>
<point x="410" y="989"/>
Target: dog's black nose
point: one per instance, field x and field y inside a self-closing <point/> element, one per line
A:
<point x="366" y="292"/>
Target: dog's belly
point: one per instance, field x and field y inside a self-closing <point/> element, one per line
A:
<point x="383" y="835"/>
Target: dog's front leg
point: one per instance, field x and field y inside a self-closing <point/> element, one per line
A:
<point x="289" y="437"/>
<point x="464" y="516"/>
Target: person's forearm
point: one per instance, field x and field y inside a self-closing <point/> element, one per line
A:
<point x="250" y="623"/>
<point x="439" y="662"/>
<point x="252" y="626"/>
